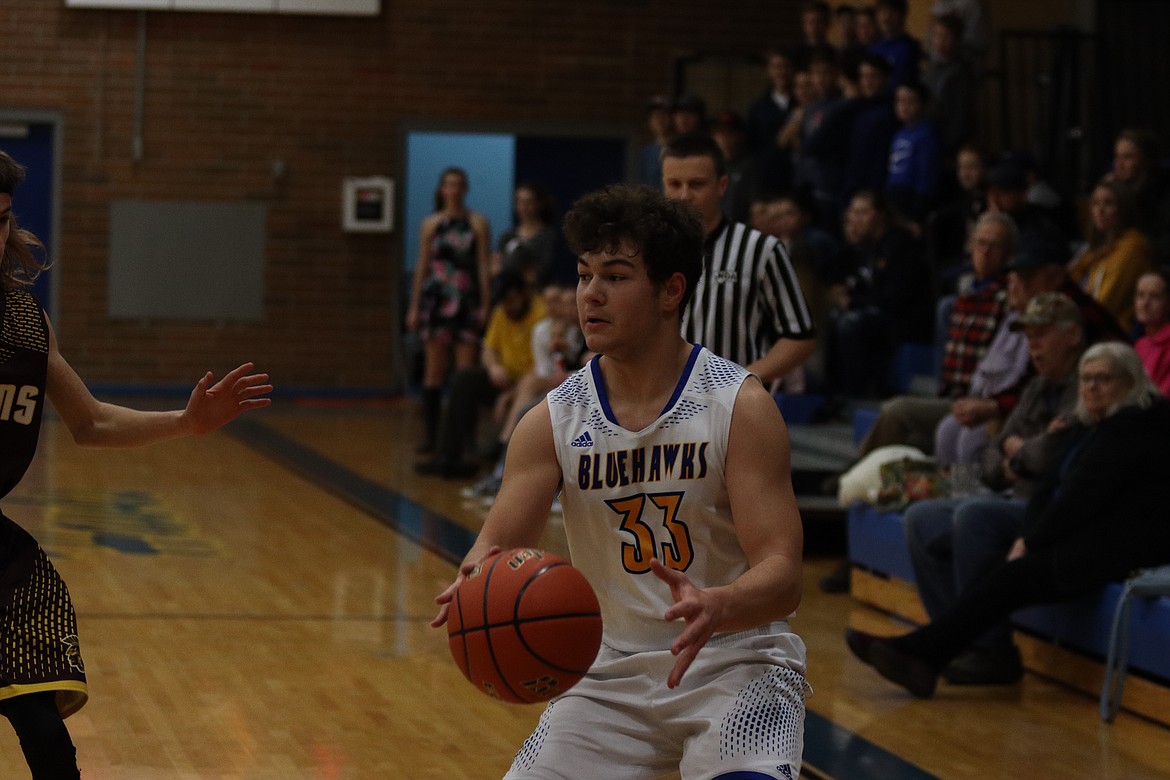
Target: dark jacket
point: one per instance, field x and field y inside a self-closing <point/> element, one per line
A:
<point x="1107" y="512"/>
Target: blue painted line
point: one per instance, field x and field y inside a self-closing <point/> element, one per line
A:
<point x="830" y="751"/>
<point x="835" y="752"/>
<point x="436" y="533"/>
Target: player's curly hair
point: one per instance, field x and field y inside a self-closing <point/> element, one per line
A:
<point x="667" y="233"/>
<point x="20" y="264"/>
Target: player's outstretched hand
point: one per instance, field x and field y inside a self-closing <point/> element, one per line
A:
<point x="701" y="611"/>
<point x="211" y="406"/>
<point x="444" y="598"/>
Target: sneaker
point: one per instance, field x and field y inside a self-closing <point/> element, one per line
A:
<point x="901" y="668"/>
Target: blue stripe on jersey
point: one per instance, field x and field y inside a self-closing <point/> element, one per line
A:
<point x="683" y="378"/>
<point x="603" y="394"/>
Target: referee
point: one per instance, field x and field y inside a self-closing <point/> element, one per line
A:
<point x="748" y="306"/>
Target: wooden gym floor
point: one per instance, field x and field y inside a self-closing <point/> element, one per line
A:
<point x="254" y="604"/>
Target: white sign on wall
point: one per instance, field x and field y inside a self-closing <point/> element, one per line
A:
<point x="368" y="204"/>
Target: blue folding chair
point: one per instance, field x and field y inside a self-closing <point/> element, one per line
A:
<point x="1151" y="582"/>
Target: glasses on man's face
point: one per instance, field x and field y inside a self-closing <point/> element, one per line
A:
<point x="1097" y="379"/>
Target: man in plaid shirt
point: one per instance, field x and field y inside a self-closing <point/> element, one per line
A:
<point x="975" y="315"/>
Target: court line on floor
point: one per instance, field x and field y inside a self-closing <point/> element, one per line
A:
<point x="830" y="750"/>
<point x="431" y="530"/>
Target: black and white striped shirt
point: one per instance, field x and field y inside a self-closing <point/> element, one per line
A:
<point x="748" y="297"/>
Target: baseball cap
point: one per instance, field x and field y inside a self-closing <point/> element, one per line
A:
<point x="1048" y="308"/>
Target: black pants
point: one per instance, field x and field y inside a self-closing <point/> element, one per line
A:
<point x="470" y="387"/>
<point x="1023" y="582"/>
<point x="44" y="739"/>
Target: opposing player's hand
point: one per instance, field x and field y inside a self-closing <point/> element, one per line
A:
<point x="700" y="610"/>
<point x="211" y="406"/>
<point x="444" y="598"/>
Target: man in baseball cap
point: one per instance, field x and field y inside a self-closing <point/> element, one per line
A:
<point x="1049" y="308"/>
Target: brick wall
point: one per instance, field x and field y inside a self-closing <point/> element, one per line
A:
<point x="227" y="94"/>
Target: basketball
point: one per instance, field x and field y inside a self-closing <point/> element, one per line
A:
<point x="525" y="626"/>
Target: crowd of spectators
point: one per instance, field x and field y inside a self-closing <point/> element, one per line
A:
<point x="861" y="156"/>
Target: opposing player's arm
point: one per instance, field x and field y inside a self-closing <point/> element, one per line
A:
<point x="767" y="522"/>
<point x="96" y="423"/>
<point x="532" y="476"/>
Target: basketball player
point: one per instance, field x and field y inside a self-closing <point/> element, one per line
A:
<point x="42" y="677"/>
<point x="678" y="507"/>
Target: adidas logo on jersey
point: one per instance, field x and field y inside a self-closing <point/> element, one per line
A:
<point x="584" y="440"/>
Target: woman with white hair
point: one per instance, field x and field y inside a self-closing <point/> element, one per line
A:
<point x="1100" y="518"/>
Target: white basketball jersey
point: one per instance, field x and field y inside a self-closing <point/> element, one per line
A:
<point x="631" y="495"/>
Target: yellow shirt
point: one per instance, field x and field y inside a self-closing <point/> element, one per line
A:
<point x="511" y="340"/>
<point x="1111" y="275"/>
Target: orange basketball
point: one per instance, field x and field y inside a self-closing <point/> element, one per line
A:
<point x="525" y="626"/>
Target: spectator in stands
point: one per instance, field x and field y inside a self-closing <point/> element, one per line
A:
<point x="1007" y="192"/>
<point x="815" y="16"/>
<point x="790" y="218"/>
<point x="813" y="252"/>
<point x="1152" y="312"/>
<point x="867" y="27"/>
<point x="824" y="136"/>
<point x="530" y="247"/>
<point x="977" y="342"/>
<point x="951" y="81"/>
<point x="1052" y="353"/>
<point x="506" y="356"/>
<point x="879" y="298"/>
<point x="1135" y="164"/>
<point x="789" y="137"/>
<point x="1107" y="488"/>
<point x="1042" y="195"/>
<point x="558" y="348"/>
<point x="1002" y="362"/>
<point x="843" y="36"/>
<point x="954" y="541"/>
<point x="948" y="228"/>
<point x="902" y="50"/>
<point x="873" y="124"/>
<point x="913" y="175"/>
<point x="1117" y="252"/>
<point x="747" y="306"/>
<point x="659" y="127"/>
<point x="766" y="117"/>
<point x="972" y="15"/>
<point x="1036" y="268"/>
<point x="450" y="292"/>
<point x="730" y="132"/>
<point x="688" y="115"/>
